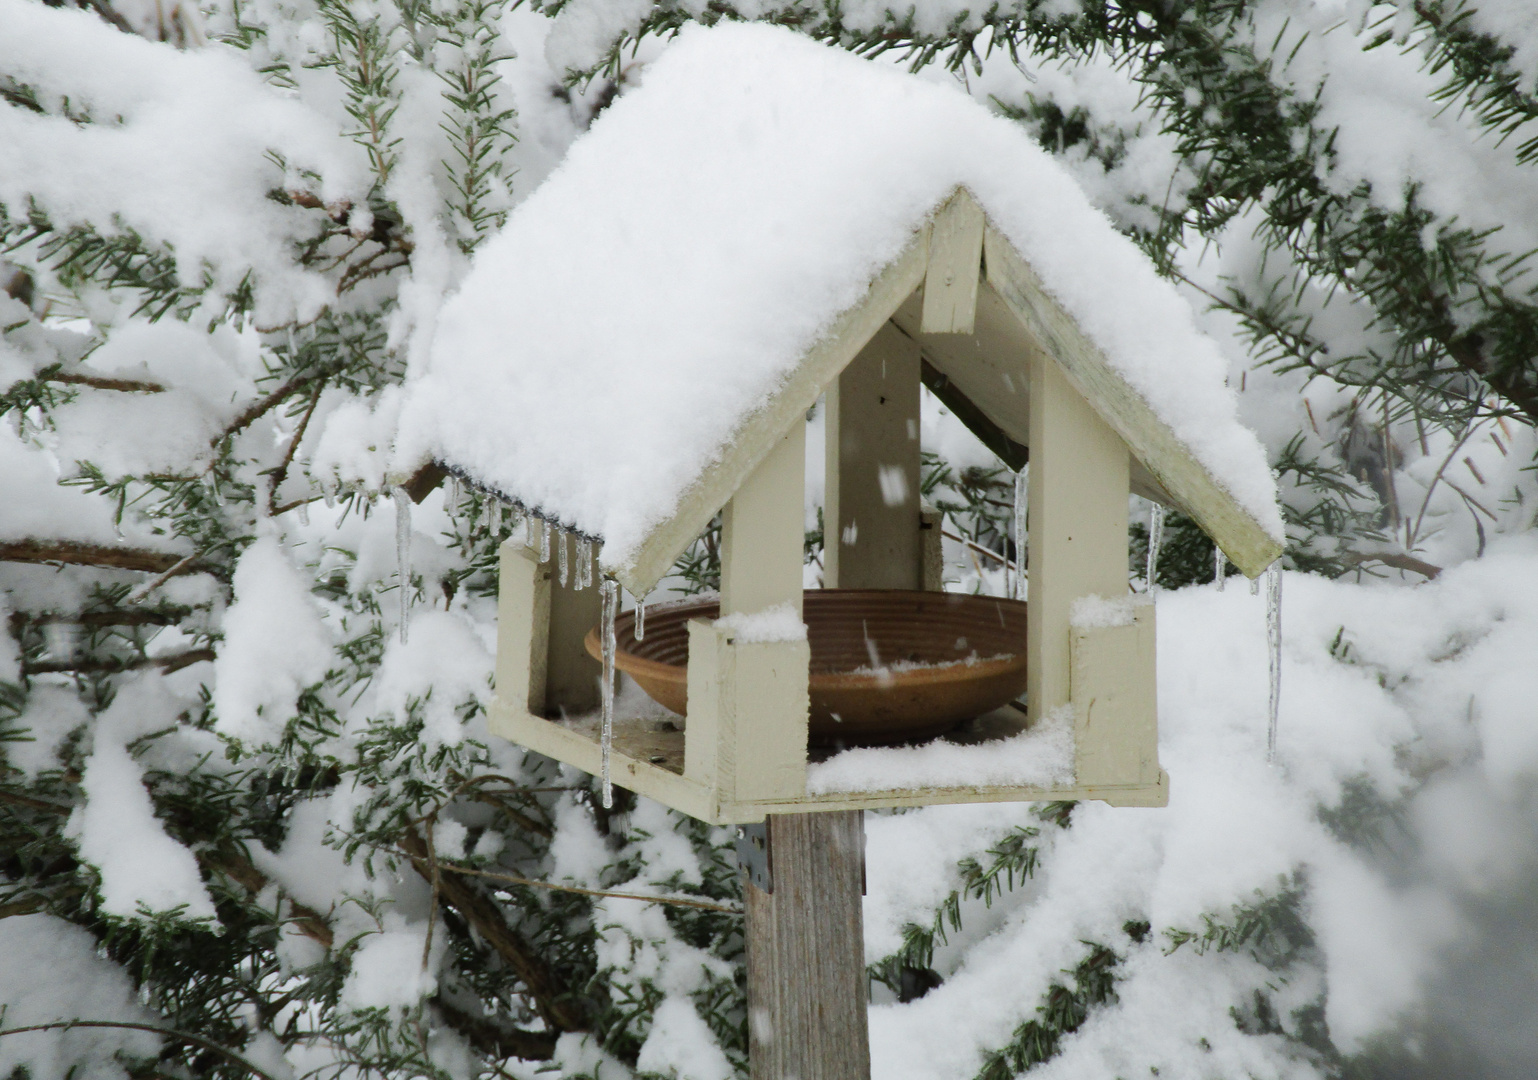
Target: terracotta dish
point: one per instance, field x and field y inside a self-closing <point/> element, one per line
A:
<point x="887" y="665"/>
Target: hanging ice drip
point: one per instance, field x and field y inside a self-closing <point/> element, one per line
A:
<point x="584" y="562"/>
<point x="1155" y="541"/>
<point x="403" y="552"/>
<point x="610" y="590"/>
<point x="640" y="618"/>
<point x="544" y="541"/>
<point x="1274" y="648"/>
<point x="1219" y="566"/>
<point x="496" y="518"/>
<point x="561" y="557"/>
<point x="1018" y="591"/>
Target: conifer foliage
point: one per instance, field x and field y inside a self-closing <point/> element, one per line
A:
<point x="251" y="822"/>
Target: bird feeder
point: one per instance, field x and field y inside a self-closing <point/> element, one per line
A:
<point x="765" y="223"/>
<point x="961" y="310"/>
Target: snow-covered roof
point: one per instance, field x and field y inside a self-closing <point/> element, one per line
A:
<point x="671" y="275"/>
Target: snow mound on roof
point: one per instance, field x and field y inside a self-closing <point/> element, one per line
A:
<point x="673" y="270"/>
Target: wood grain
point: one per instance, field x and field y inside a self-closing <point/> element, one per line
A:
<point x="807" y="990"/>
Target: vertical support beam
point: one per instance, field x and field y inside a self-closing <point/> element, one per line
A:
<point x="1115" y="701"/>
<point x="523" y="623"/>
<point x="871" y="533"/>
<point x="806" y="952"/>
<point x="747" y="729"/>
<point x="931" y="547"/>
<point x="1077" y="513"/>
<point x="955" y="261"/>
<point x="762" y="531"/>
<point x="572" y="677"/>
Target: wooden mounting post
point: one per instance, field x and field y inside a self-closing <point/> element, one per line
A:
<point x="807" y="989"/>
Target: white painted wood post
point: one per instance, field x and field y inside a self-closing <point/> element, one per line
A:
<point x="747" y="726"/>
<point x="871" y="523"/>
<point x="1077" y="526"/>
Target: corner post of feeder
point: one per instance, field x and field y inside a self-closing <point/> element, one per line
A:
<point x="523" y="628"/>
<point x="872" y="522"/>
<point x="748" y="705"/>
<point x="1077" y="514"/>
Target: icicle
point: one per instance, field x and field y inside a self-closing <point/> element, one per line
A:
<point x="640" y="618"/>
<point x="1155" y="541"/>
<point x="304" y="512"/>
<point x="516" y="518"/>
<point x="496" y="518"/>
<point x="1254" y="586"/>
<point x="610" y="609"/>
<point x="403" y="552"/>
<point x="454" y="492"/>
<point x="328" y="492"/>
<point x="1219" y="566"/>
<point x="544" y="540"/>
<point x="584" y="562"/>
<point x="561" y="558"/>
<point x="1019" y="590"/>
<point x="1274" y="644"/>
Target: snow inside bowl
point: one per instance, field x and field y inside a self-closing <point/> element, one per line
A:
<point x="887" y="665"/>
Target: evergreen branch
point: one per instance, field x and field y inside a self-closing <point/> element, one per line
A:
<point x="109" y="664"/>
<point x="495" y="1041"/>
<point x="84" y="554"/>
<point x="172" y="1033"/>
<point x="557" y="1004"/>
<point x="677" y="901"/>
<point x="100" y="382"/>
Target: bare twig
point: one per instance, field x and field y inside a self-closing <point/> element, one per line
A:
<point x="82" y="554"/>
<point x="1397" y="559"/>
<point x="677" y="901"/>
<point x="108" y="664"/>
<point x="139" y="595"/>
<point x="101" y="382"/>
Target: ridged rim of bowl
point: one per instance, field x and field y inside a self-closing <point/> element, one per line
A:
<point x="944" y="672"/>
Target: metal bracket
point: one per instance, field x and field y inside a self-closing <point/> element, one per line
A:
<point x="753" y="855"/>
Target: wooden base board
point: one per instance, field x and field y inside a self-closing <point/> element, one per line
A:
<point x="649" y="761"/>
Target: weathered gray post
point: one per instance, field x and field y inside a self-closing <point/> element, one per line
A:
<point x="807" y="989"/>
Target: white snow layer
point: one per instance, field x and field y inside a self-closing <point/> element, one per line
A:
<point x="275" y="645"/>
<point x="1041" y="756"/>
<point x="49" y="971"/>
<point x="141" y="866"/>
<point x="671" y="273"/>
<point x="172" y="130"/>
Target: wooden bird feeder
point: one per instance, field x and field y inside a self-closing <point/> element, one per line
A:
<point x="761" y="225"/>
<point x="963" y="312"/>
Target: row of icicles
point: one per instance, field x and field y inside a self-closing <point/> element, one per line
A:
<point x="1273" y="583"/>
<point x="538" y="533"/>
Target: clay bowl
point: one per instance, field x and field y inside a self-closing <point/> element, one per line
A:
<point x="887" y="665"/>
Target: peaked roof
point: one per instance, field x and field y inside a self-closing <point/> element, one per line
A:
<point x="711" y="253"/>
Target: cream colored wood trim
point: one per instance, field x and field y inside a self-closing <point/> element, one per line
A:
<point x="762" y="530"/>
<point x="1242" y="538"/>
<point x="1116" y="728"/>
<point x="747" y="729"/>
<point x="955" y="260"/>
<point x="872" y="448"/>
<point x="1076" y="526"/>
<point x="560" y="742"/>
<point x="523" y="626"/>
<point x="704" y="802"/>
<point x="573" y="677"/>
<point x="761" y="431"/>
<point x="931" y="550"/>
